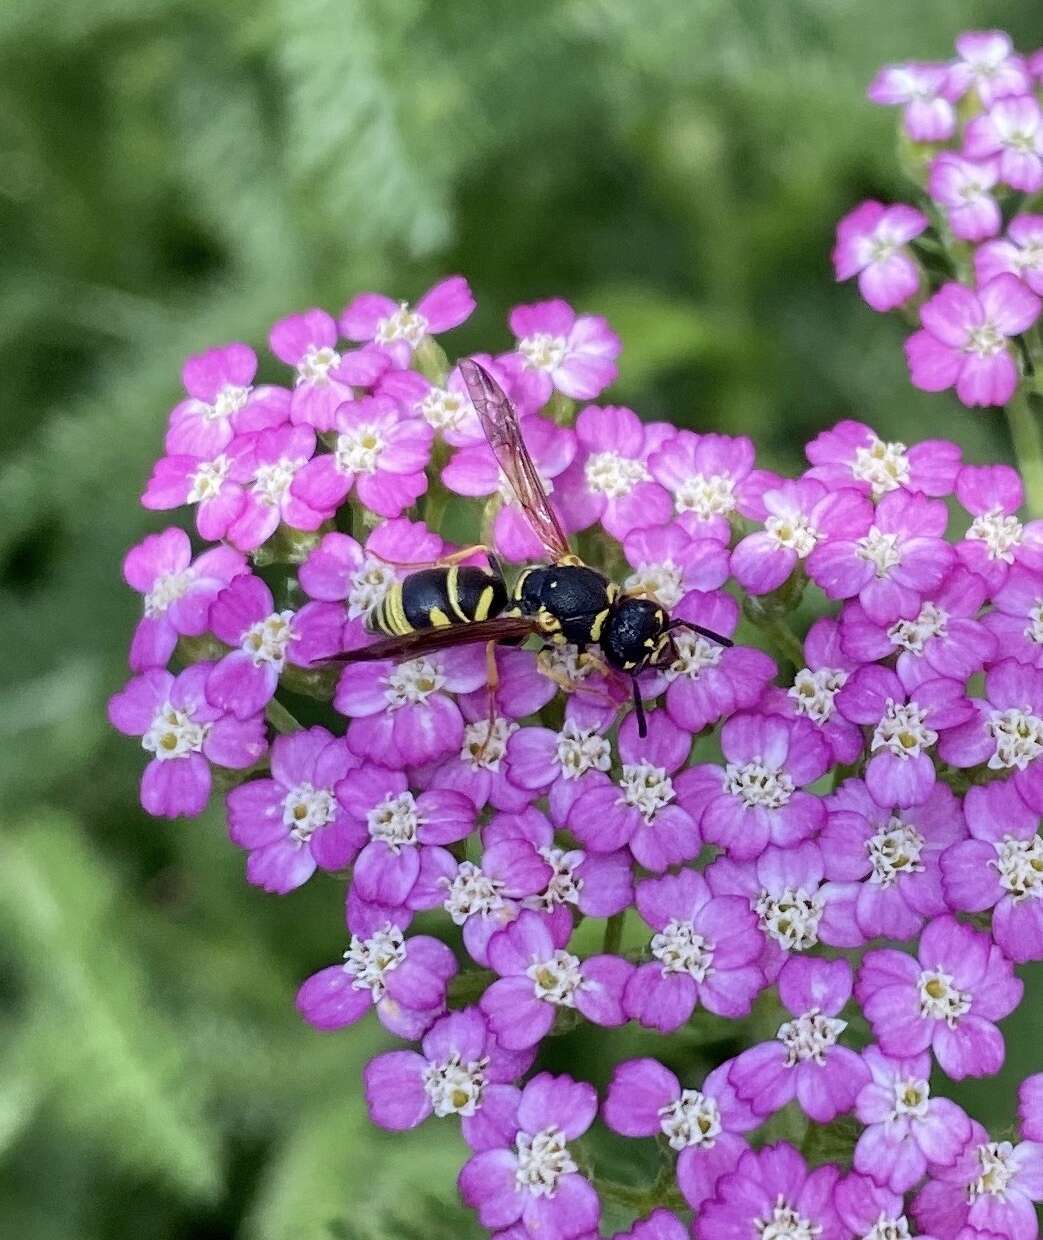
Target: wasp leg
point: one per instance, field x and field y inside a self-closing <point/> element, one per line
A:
<point x="595" y="662"/>
<point x="444" y="561"/>
<point x="570" y="684"/>
<point x="492" y="683"/>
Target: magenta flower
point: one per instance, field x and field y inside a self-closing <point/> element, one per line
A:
<point x="993" y="1186"/>
<point x="184" y="733"/>
<point x="178" y="592"/>
<point x="538" y="976"/>
<point x="532" y="1177"/>
<point x="851" y="454"/>
<point x="757" y="797"/>
<point x="905" y="726"/>
<point x="710" y="477"/>
<point x="560" y="762"/>
<point x="404" y="979"/>
<point x="325" y="378"/>
<point x="947" y="999"/>
<point x="292" y="822"/>
<point x="556" y="349"/>
<point x="659" y="1225"/>
<point x="1020" y="253"/>
<point x="992" y="494"/>
<point x="1011" y="131"/>
<point x="802" y="514"/>
<point x="964" y="340"/>
<point x="987" y="65"/>
<point x="925" y="94"/>
<point x="1000" y="868"/>
<point x="402" y="714"/>
<point x="645" y="1099"/>
<point x="446" y="409"/>
<point x="460" y="1070"/>
<point x="703" y="951"/>
<point x="216" y="484"/>
<point x="871" y="243"/>
<point x="1030" y="1107"/>
<point x="643" y="810"/>
<point x="377" y="451"/>
<point x="866" y="1209"/>
<point x="906" y="1128"/>
<point x="273" y="459"/>
<point x="890" y="561"/>
<point x="397" y="328"/>
<point x="772" y="1193"/>
<point x="961" y="187"/>
<point x="804" y="1061"/>
<point x="893" y="855"/>
<point x="222" y="402"/>
<point x="668" y="563"/>
<point x="264" y="640"/>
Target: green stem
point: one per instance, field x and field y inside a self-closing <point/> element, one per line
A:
<point x="613" y="934"/>
<point x="1028" y="448"/>
<point x="280" y="718"/>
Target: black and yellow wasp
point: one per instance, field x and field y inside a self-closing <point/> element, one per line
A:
<point x="564" y="601"/>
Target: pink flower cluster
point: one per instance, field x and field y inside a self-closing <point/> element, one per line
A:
<point x="975" y="128"/>
<point x="864" y="849"/>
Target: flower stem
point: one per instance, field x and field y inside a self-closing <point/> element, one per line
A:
<point x="1028" y="448"/>
<point x="613" y="934"/>
<point x="280" y="718"/>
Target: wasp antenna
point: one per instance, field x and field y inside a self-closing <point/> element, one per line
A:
<point x="709" y="634"/>
<point x="639" y="709"/>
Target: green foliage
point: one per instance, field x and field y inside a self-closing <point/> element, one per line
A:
<point x="175" y="173"/>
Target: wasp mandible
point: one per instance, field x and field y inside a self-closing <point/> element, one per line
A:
<point x="563" y="601"/>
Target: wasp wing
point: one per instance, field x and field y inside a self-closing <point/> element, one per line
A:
<point x="499" y="420"/>
<point x="427" y="641"/>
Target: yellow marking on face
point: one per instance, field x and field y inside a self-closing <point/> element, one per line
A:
<point x="485" y="601"/>
<point x="597" y="624"/>
<point x="438" y="618"/>
<point x="452" y="593"/>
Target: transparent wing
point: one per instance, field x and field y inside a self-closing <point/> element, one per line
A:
<point x="502" y="429"/>
<point x="427" y="641"/>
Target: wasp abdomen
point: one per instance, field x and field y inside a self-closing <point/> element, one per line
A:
<point x="435" y="598"/>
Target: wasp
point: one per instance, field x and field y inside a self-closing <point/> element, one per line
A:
<point x="563" y="601"/>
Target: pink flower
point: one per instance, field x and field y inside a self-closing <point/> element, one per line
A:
<point x="556" y="349"/>
<point x="178" y="592"/>
<point x="703" y="1125"/>
<point x="1030" y="1107"/>
<point x="710" y="477"/>
<point x="851" y="454"/>
<point x="947" y="999"/>
<point x="222" y="402"/>
<point x="1017" y="618"/>
<point x="184" y="733"/>
<point x="992" y="494"/>
<point x="1012" y="131"/>
<point x="292" y="822"/>
<point x="871" y="243"/>
<point x="962" y="187"/>
<point x="396" y="328"/>
<point x="376" y="451"/>
<point x="864" y="1207"/>
<point x="668" y="563"/>
<point x="988" y="65"/>
<point x="273" y="459"/>
<point x="925" y="94"/>
<point x="325" y="378"/>
<point x="1019" y="254"/>
<point x="216" y="484"/>
<point x="265" y="640"/>
<point x="446" y="409"/>
<point x="560" y="762"/>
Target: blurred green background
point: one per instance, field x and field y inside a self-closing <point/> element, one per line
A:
<point x="176" y="173"/>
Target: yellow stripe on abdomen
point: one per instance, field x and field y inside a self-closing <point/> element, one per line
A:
<point x="485" y="601"/>
<point x="453" y="595"/>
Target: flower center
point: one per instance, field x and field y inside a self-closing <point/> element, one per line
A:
<point x="1019" y="864"/>
<point x="369" y="961"/>
<point x="266" y="641"/>
<point x="995" y="1159"/>
<point x="358" y="451"/>
<point x="443" y="409"/>
<point x="885" y="466"/>
<point x="1034" y="628"/>
<point x="173" y="733"/>
<point x="692" y="1119"/>
<point x="999" y="531"/>
<point x="911" y="1098"/>
<point x="814" y="691"/>
<point x="485" y="743"/>
<point x="785" y="1224"/>
<point x="404" y="324"/>
<point x="556" y="980"/>
<point x="412" y="682"/>
<point x="1018" y="735"/>
<point x="878" y="249"/>
<point x="902" y="730"/>
<point x="305" y="809"/>
<point x="543" y="1159"/>
<point x="208" y="480"/>
<point x="880" y="550"/>
<point x="790" y="918"/>
<point x="316" y="364"/>
<point x="369" y="584"/>
<point x="609" y="474"/>
<point x="564" y="885"/>
<point x="706" y="495"/>
<point x="1030" y="256"/>
<point x="455" y="1088"/>
<point x="395" y="821"/>
<point x="693" y="654"/>
<point x="542" y="351"/>
<point x="272" y="481"/>
<point x="563" y="659"/>
<point x="230" y="399"/>
<point x="971" y="190"/>
<point x="679" y="948"/>
<point x="646" y="788"/>
<point x="661" y="582"/>
<point x="894" y="850"/>
<point x="940" y="999"/>
<point x="794" y="533"/>
<point x="472" y="893"/>
<point x="757" y="785"/>
<point x="913" y="635"/>
<point x="809" y="1036"/>
<point x="985" y="341"/>
<point x="888" y="1227"/>
<point x="579" y="750"/>
<point x="166" y="590"/>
